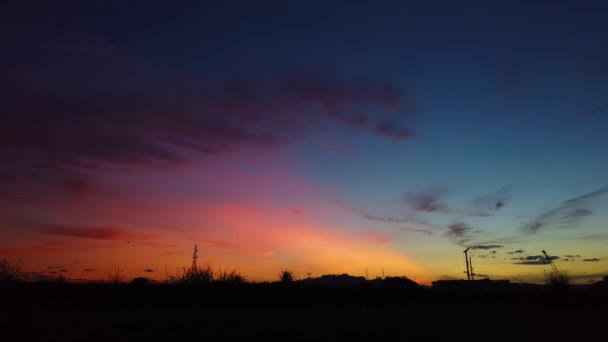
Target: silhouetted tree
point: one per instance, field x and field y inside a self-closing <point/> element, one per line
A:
<point x="140" y="282"/>
<point x="10" y="271"/>
<point x="116" y="277"/>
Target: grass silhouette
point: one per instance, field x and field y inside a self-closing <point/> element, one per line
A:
<point x="229" y="277"/>
<point x="199" y="276"/>
<point x="286" y="276"/>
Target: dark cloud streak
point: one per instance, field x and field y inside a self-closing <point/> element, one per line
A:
<point x="519" y="251"/>
<point x="98" y="233"/>
<point x="534" y="260"/>
<point x="426" y="201"/>
<point x="494" y="201"/>
<point x="416" y="230"/>
<point x="458" y="231"/>
<point x="567" y="214"/>
<point x="486" y="247"/>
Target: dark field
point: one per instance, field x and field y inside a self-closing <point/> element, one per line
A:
<point x="70" y="312"/>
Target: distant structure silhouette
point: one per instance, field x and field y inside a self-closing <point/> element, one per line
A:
<point x="194" y="258"/>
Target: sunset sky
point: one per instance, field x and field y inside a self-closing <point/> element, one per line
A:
<point x="326" y="137"/>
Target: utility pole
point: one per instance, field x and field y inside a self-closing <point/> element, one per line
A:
<point x="466" y="259"/>
<point x="471" y="266"/>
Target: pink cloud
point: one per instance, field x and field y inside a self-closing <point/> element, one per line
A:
<point x="100" y="233"/>
<point x="297" y="211"/>
<point x="379" y="238"/>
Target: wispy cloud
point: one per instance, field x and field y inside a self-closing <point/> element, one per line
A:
<point x="99" y="233"/>
<point x="594" y="69"/>
<point x="519" y="251"/>
<point x="427" y="201"/>
<point x="410" y="218"/>
<point x="416" y="230"/>
<point x="222" y="244"/>
<point x="591" y="260"/>
<point x="297" y="211"/>
<point x="494" y="201"/>
<point x="567" y="214"/>
<point x="393" y="131"/>
<point x="458" y="232"/>
<point x="587" y="112"/>
<point x="433" y="201"/>
<point x="383" y="218"/>
<point x="231" y="246"/>
<point x="378" y="238"/>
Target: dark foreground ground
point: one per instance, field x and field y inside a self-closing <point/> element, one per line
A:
<point x="69" y="312"/>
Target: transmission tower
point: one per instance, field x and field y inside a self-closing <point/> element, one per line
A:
<point x="194" y="258"/>
<point x="556" y="271"/>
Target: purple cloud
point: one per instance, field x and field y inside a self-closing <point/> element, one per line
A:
<point x="426" y="201"/>
<point x="65" y="130"/>
<point x="458" y="231"/>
